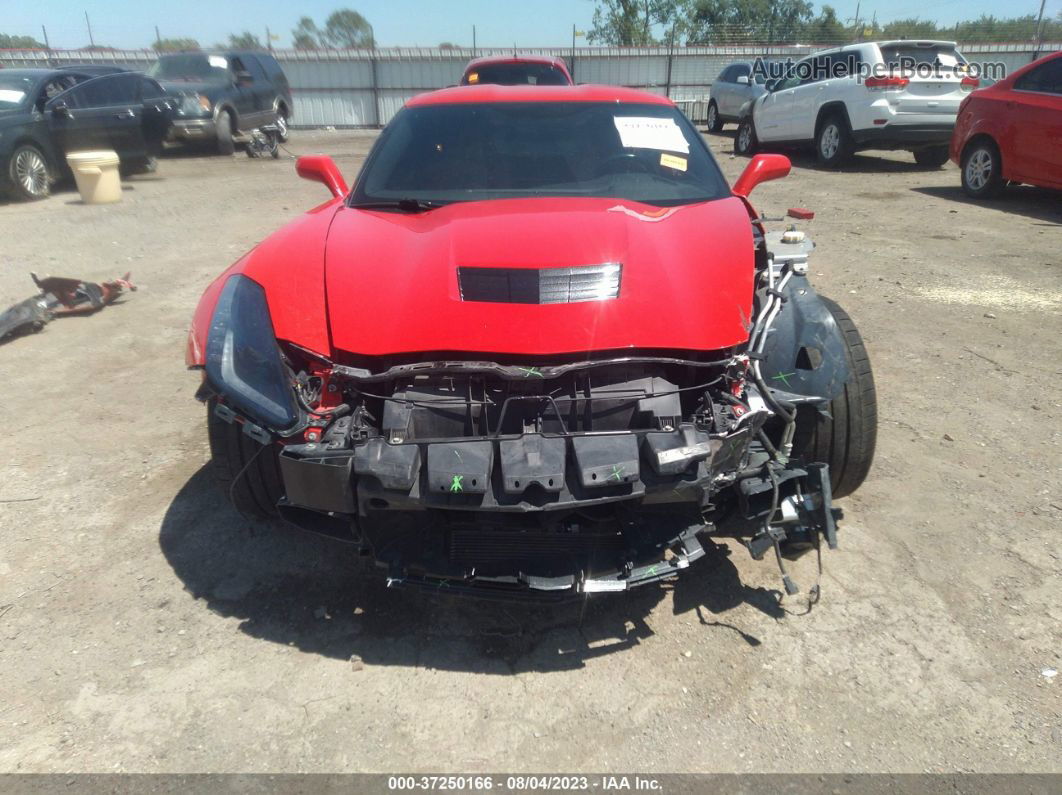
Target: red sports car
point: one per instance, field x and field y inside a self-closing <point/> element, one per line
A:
<point x="541" y="348"/>
<point x="1012" y="131"/>
<point x="517" y="70"/>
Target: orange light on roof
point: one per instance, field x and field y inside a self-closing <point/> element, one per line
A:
<point x="473" y="77"/>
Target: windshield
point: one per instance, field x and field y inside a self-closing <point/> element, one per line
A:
<point x="911" y="56"/>
<point x="478" y="151"/>
<point x="196" y="68"/>
<point x="13" y="90"/>
<point x="517" y="74"/>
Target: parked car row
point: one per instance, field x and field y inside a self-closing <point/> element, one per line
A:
<point x="214" y="97"/>
<point x="913" y="95"/>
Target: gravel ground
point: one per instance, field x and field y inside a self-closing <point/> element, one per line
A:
<point x="145" y="627"/>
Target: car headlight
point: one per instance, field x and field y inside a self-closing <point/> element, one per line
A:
<point x="242" y="358"/>
<point x="195" y="104"/>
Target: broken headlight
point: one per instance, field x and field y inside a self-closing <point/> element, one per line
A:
<point x="242" y="358"/>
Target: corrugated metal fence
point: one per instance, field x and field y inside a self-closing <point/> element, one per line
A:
<point x="365" y="88"/>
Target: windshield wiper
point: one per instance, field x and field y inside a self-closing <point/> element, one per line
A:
<point x="405" y="205"/>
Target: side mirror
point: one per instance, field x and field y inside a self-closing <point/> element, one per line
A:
<point x="323" y="169"/>
<point x="762" y="168"/>
<point x="743" y="79"/>
<point x="244" y="78"/>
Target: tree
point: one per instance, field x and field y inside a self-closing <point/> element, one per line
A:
<point x="19" y="43"/>
<point x="826" y="28"/>
<point x="447" y="45"/>
<point x="912" y="28"/>
<point x="307" y="36"/>
<point x="629" y="23"/>
<point x="175" y="45"/>
<point x="347" y="29"/>
<point x="737" y="21"/>
<point x="245" y="41"/>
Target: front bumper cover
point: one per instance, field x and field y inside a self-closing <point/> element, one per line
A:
<point x="192" y="130"/>
<point x="544" y="543"/>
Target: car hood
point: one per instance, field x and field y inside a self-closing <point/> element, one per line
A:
<point x="189" y="87"/>
<point x="391" y="279"/>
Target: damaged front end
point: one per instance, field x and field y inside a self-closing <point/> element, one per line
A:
<point x="504" y="476"/>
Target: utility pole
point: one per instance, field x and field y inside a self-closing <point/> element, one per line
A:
<point x="158" y="38"/>
<point x="473" y="41"/>
<point x="571" y="63"/>
<point x="47" y="45"/>
<point x="1039" y="30"/>
<point x="92" y="42"/>
<point x="269" y="40"/>
<point x="670" y="57"/>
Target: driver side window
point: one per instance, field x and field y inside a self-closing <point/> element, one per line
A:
<point x="794" y="79"/>
<point x="54" y="88"/>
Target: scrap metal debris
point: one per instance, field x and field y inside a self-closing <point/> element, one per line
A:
<point x="60" y="296"/>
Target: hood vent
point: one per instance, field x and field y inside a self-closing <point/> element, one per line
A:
<point x="540" y="286"/>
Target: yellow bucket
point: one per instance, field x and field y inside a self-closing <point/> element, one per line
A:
<point x="96" y="174"/>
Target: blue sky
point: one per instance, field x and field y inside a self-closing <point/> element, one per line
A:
<point x="526" y="23"/>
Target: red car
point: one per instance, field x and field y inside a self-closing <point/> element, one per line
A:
<point x="1012" y="131"/>
<point x="517" y="70"/>
<point x="541" y="348"/>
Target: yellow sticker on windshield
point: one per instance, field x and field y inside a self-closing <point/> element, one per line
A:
<point x="473" y="77"/>
<point x="673" y="161"/>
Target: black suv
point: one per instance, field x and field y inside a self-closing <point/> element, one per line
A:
<point x="224" y="93"/>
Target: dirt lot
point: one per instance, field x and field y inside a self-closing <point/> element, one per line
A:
<point x="145" y="627"/>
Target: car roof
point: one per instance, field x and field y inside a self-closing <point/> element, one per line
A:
<point x="489" y="92"/>
<point x="476" y="63"/>
<point x="915" y="42"/>
<point x="35" y="72"/>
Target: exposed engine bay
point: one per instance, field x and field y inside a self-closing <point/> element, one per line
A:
<point x="576" y="474"/>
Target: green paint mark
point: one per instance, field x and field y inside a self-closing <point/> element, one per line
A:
<point x="531" y="371"/>
<point x="783" y="377"/>
<point x="456" y="485"/>
<point x="617" y="473"/>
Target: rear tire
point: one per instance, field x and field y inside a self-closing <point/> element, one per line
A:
<point x="933" y="157"/>
<point x="226" y="146"/>
<point x="846" y="439"/>
<point x="249" y="474"/>
<point x="745" y="142"/>
<point x="833" y="141"/>
<point x="715" y="124"/>
<point x="27" y="177"/>
<point x="982" y="170"/>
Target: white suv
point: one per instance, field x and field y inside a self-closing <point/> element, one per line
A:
<point x="872" y="95"/>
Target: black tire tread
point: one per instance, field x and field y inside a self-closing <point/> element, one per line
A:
<point x="996" y="184"/>
<point x="933" y="157"/>
<point x="846" y="440"/>
<point x="845" y="150"/>
<point x="226" y="146"/>
<point x="754" y="143"/>
<point x="718" y="122"/>
<point x="258" y="489"/>
<point x="10" y="188"/>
